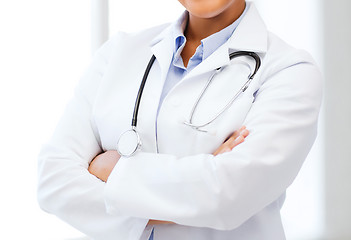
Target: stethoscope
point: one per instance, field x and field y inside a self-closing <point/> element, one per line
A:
<point x="129" y="142"/>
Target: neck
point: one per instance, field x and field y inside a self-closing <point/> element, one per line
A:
<point x="199" y="28"/>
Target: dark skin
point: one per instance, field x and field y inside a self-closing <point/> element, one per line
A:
<point x="206" y="17"/>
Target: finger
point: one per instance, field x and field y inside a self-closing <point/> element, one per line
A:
<point x="235" y="139"/>
<point x="233" y="143"/>
<point x="222" y="149"/>
<point x="244" y="133"/>
<point x="237" y="133"/>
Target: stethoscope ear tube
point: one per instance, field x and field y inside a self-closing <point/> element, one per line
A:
<point x="251" y="54"/>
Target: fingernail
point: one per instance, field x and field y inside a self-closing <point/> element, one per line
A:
<point x="240" y="138"/>
<point x="244" y="132"/>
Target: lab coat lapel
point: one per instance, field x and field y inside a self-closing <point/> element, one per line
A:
<point x="216" y="60"/>
<point x="162" y="48"/>
<point x="250" y="35"/>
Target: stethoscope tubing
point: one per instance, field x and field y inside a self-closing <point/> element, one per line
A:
<point x="189" y="123"/>
<point x="141" y="90"/>
<point x="242" y="89"/>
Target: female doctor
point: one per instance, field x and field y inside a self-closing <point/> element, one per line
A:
<point x="188" y="174"/>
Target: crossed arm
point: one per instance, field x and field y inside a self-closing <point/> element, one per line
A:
<point x="103" y="164"/>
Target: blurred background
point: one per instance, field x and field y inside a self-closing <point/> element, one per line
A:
<point x="46" y="45"/>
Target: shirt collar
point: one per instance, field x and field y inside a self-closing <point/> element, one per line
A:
<point x="250" y="35"/>
<point x="209" y="44"/>
<point x="178" y="36"/>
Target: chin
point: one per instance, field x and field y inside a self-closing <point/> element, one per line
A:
<point x="208" y="8"/>
<point x="205" y="14"/>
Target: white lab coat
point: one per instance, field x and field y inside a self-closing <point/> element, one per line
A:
<point x="235" y="195"/>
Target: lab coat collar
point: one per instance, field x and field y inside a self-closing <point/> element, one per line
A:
<point x="250" y="35"/>
<point x="166" y="33"/>
<point x="162" y="46"/>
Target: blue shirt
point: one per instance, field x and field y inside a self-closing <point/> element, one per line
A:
<point x="177" y="70"/>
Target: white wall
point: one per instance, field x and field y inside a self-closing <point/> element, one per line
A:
<point x="44" y="48"/>
<point x="135" y="15"/>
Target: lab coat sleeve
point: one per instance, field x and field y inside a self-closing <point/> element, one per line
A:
<point x="224" y="191"/>
<point x="65" y="187"/>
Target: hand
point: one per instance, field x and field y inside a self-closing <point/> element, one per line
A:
<point x="234" y="140"/>
<point x="103" y="164"/>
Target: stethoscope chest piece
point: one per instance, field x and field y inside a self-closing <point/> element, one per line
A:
<point x="129" y="142"/>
